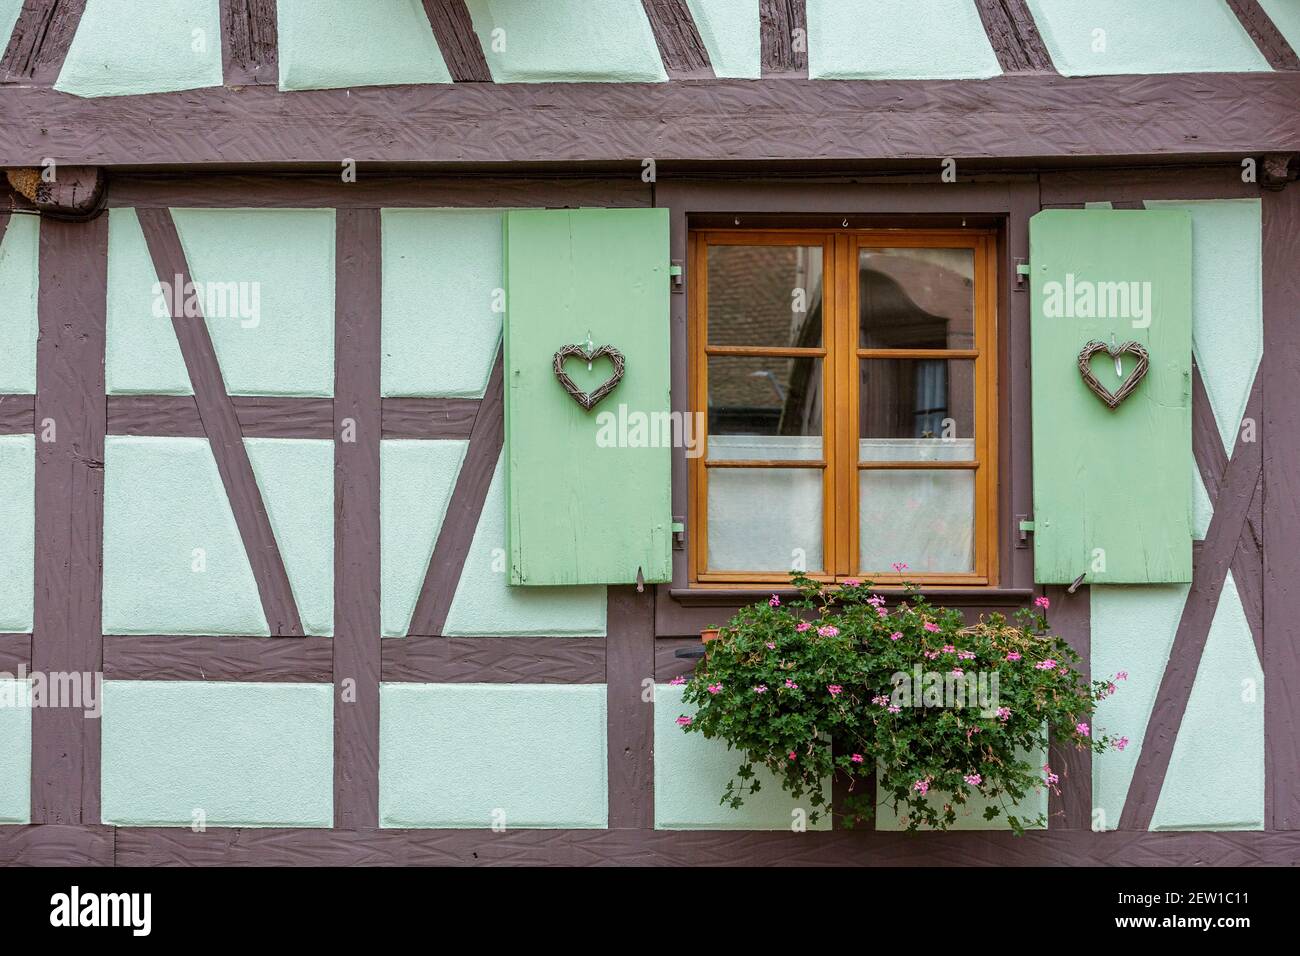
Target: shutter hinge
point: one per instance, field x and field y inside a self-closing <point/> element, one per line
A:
<point x="1024" y="528"/>
<point x="676" y="276"/>
<point x="1022" y="271"/>
<point x="679" y="535"/>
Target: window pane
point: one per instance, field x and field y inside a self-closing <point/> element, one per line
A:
<point x="925" y="519"/>
<point x="916" y="298"/>
<point x="765" y="519"/>
<point x="765" y="295"/>
<point x="765" y="408"/>
<point x="916" y="398"/>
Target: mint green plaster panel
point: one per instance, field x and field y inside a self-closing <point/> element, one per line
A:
<point x="141" y="354"/>
<point x="893" y="39"/>
<point x="567" y="40"/>
<point x="143" y="46"/>
<point x="1215" y="779"/>
<point x="296" y="478"/>
<point x="174" y="562"/>
<point x="17" y="532"/>
<point x="1132" y="632"/>
<point x="239" y="754"/>
<point x="415" y="483"/>
<point x="1227" y="302"/>
<point x="971" y="816"/>
<point x="1149" y="36"/>
<point x="485" y="605"/>
<point x="442" y="288"/>
<point x="327" y="44"/>
<point x="284" y="260"/>
<point x="475" y="755"/>
<point x="691" y="774"/>
<point x="15" y="751"/>
<point x="19" y="278"/>
<point x="730" y="31"/>
<point x="1285" y="15"/>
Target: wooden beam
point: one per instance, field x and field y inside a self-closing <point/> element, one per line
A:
<point x="249" y="42"/>
<point x="40" y="40"/>
<point x="494" y="660"/>
<point x="1070" y="804"/>
<point x="260" y="416"/>
<point x="17" y="414"/>
<point x="1266" y="35"/>
<point x="219" y="658"/>
<point x="783" y="34"/>
<point x="429" y="417"/>
<point x="221" y="424"/>
<point x="1014" y="36"/>
<point x="453" y="28"/>
<point x="680" y="46"/>
<point x="15" y="652"/>
<point x="1211" y="116"/>
<point x="357" y="355"/>
<point x="629" y="662"/>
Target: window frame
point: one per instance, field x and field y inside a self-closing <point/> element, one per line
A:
<point x="841" y="355"/>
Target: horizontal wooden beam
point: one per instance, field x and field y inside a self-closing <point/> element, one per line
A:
<point x="259" y="416"/>
<point x="1203" y="115"/>
<point x="429" y="417"/>
<point x="494" y="660"/>
<point x="190" y="657"/>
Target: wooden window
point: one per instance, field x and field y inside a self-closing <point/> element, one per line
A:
<point x="847" y="381"/>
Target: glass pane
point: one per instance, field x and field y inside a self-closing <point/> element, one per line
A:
<point x="765" y="295"/>
<point x="765" y="519"/>
<point x="928" y="399"/>
<point x="925" y="519"/>
<point x="765" y="408"/>
<point x="916" y="298"/>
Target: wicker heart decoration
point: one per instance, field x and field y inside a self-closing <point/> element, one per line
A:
<point x="1113" y="399"/>
<point x="588" y="400"/>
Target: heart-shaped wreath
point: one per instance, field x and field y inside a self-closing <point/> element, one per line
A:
<point x="1113" y="399"/>
<point x="588" y="400"/>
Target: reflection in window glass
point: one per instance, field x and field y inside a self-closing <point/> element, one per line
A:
<point x="916" y="398"/>
<point x="916" y="298"/>
<point x="765" y="395"/>
<point x="767" y="296"/>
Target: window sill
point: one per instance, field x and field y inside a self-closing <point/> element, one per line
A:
<point x="948" y="596"/>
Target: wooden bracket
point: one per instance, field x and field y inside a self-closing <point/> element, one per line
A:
<point x="72" y="193"/>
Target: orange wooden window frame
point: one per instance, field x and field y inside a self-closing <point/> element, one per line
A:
<point x="840" y="357"/>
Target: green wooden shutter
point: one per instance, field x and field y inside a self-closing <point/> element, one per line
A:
<point x="1112" y="488"/>
<point x="589" y="491"/>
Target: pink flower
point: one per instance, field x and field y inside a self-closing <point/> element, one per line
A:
<point x="683" y="721"/>
<point x="1051" y="777"/>
<point x="881" y="700"/>
<point x="922" y="787"/>
<point x="875" y="600"/>
<point x="791" y="684"/>
<point x="771" y="646"/>
<point x="791" y="755"/>
<point x="973" y="779"/>
<point x="931" y="654"/>
<point x="760" y="689"/>
<point x="677" y="681"/>
<point x="882" y="612"/>
<point x="715" y="688"/>
<point x="900" y="567"/>
<point x="966" y="655"/>
<point x="1044" y="602"/>
<point x="1122" y="675"/>
<point x="897" y="635"/>
<point x="856" y="758"/>
<point x="835" y="689"/>
<point x="802" y="626"/>
<point x="1013" y="656"/>
<point x="932" y="627"/>
<point x="851" y="582"/>
<point x="829" y="630"/>
<point x="1083" y="729"/>
<point x="1121" y="743"/>
<point x="895" y="710"/>
<point x="1004" y="713"/>
<point x="949" y="649"/>
<point x="1047" y="665"/>
<point x="774" y="601"/>
<point x="957" y="672"/>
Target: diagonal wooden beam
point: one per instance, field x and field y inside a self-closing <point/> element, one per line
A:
<point x="1014" y="36"/>
<point x="1266" y="35"/>
<point x="249" y="42"/>
<point x="221" y="424"/>
<point x="783" y="33"/>
<point x="1231" y="508"/>
<point x="680" y="46"/>
<point x="453" y="28"/>
<point x="40" y="40"/>
<point x="457" y="533"/>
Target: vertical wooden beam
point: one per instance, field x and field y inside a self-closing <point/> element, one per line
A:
<point x="1070" y="617"/>
<point x="249" y="42"/>
<point x="783" y="29"/>
<point x="40" y="41"/>
<point x="70" y="423"/>
<point x="1280" y="432"/>
<point x="221" y="424"/>
<point x="357" y="431"/>
<point x="1014" y="36"/>
<point x="680" y="47"/>
<point x="629" y="661"/>
<point x="453" y="28"/>
<point x="1266" y="35"/>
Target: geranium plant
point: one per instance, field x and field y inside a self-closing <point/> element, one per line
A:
<point x="836" y="684"/>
